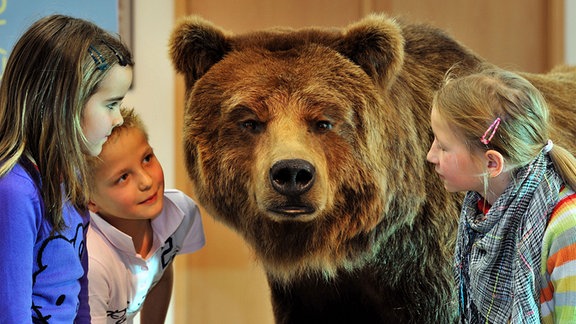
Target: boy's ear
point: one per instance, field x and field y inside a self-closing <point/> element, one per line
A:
<point x="92" y="206"/>
<point x="494" y="163"/>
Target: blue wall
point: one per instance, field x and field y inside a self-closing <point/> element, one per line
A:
<point x="17" y="15"/>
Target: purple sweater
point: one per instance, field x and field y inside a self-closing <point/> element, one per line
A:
<point x="42" y="274"/>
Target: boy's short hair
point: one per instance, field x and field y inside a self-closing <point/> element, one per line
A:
<point x="131" y="120"/>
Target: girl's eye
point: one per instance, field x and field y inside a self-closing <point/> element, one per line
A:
<point x="113" y="105"/>
<point x="440" y="147"/>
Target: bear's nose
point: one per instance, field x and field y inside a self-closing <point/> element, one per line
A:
<point x="292" y="177"/>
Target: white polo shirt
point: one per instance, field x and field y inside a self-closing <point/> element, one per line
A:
<point x="118" y="278"/>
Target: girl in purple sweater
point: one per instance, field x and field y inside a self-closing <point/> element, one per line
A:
<point x="59" y="100"/>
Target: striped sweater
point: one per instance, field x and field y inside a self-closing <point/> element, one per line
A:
<point x="558" y="269"/>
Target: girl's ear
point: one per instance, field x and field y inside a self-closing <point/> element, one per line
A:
<point x="494" y="163"/>
<point x="92" y="206"/>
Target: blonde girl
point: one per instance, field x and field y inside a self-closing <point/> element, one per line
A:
<point x="515" y="258"/>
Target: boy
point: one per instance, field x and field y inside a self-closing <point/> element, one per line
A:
<point x="136" y="229"/>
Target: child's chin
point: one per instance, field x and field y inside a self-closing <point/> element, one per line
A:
<point x="450" y="188"/>
<point x="93" y="150"/>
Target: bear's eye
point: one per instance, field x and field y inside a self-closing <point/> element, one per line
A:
<point x="252" y="126"/>
<point x="323" y="126"/>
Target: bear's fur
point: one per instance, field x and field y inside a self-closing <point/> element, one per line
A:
<point x="312" y="145"/>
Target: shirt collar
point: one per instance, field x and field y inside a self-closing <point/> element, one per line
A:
<point x="163" y="226"/>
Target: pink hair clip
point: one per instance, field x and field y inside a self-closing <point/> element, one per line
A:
<point x="492" y="128"/>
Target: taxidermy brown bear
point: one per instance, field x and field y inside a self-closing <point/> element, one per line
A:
<point x="312" y="145"/>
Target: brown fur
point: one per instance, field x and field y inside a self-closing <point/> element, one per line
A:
<point x="362" y="230"/>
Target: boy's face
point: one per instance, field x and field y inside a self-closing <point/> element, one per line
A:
<point x="129" y="184"/>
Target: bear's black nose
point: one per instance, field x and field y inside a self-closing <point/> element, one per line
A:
<point x="292" y="177"/>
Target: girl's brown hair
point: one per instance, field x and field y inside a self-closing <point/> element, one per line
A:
<point x="51" y="73"/>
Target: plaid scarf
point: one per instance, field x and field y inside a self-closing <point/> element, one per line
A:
<point x="498" y="255"/>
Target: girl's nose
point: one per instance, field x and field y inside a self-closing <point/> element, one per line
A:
<point x="117" y="119"/>
<point x="431" y="156"/>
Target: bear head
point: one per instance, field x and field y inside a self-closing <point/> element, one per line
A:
<point x="306" y="141"/>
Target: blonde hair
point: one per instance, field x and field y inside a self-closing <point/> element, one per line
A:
<point x="471" y="103"/>
<point x="54" y="68"/>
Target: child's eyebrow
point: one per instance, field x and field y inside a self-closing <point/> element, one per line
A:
<point x="149" y="150"/>
<point x="114" y="174"/>
<point x="119" y="98"/>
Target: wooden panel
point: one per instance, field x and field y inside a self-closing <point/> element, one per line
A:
<point x="514" y="34"/>
<point x="222" y="283"/>
<point x="554" y="36"/>
<point x="240" y="16"/>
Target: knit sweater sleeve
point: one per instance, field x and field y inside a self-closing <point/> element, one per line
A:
<point x="558" y="269"/>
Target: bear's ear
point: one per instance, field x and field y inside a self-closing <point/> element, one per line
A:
<point x="196" y="45"/>
<point x="376" y="44"/>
